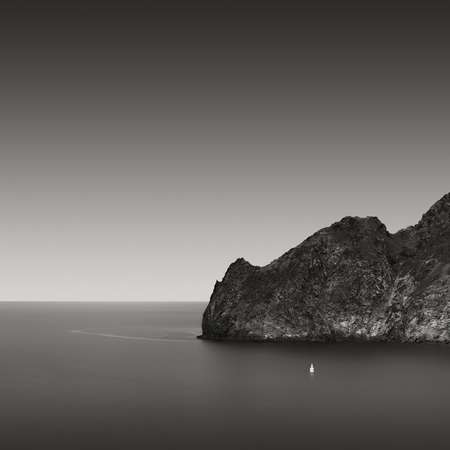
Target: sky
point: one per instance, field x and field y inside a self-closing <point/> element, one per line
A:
<point x="145" y="146"/>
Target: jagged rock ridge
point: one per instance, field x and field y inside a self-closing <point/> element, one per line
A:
<point x="351" y="281"/>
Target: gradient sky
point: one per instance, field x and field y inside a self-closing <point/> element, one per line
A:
<point x="143" y="149"/>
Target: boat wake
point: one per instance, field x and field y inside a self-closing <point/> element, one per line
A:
<point x="130" y="338"/>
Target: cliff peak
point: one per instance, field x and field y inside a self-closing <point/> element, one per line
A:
<point x="439" y="212"/>
<point x="238" y="268"/>
<point x="363" y="224"/>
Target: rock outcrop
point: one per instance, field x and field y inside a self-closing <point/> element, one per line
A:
<point x="351" y="281"/>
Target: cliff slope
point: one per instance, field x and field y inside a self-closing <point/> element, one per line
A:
<point x="351" y="281"/>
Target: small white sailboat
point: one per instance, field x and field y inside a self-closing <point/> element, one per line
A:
<point x="311" y="369"/>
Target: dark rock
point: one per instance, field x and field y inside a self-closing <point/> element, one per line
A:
<point x="351" y="281"/>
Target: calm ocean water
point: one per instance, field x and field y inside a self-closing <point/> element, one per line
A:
<point x="132" y="376"/>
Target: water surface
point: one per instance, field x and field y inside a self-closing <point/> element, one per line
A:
<point x="133" y="376"/>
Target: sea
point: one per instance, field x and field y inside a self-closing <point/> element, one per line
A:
<point x="130" y="376"/>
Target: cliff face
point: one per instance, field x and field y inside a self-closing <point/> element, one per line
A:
<point x="351" y="281"/>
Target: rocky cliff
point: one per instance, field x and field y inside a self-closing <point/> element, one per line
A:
<point x="351" y="281"/>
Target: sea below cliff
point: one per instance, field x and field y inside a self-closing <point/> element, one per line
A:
<point x="134" y="376"/>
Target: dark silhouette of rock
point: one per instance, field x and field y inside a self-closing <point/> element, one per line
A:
<point x="351" y="281"/>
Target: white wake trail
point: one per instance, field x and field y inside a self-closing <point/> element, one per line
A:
<point x="130" y="338"/>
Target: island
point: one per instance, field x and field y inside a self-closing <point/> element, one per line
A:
<point x="352" y="281"/>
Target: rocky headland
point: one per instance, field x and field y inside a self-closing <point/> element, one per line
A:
<point x="352" y="281"/>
